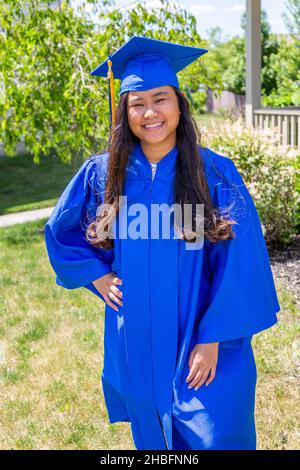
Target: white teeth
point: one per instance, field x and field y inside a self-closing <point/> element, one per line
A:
<point x="150" y="126"/>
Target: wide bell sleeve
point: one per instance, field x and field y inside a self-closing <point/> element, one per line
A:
<point x="76" y="262"/>
<point x="243" y="299"/>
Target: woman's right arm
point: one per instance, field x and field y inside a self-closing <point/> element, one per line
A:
<point x="75" y="261"/>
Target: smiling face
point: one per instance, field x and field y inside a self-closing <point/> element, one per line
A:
<point x="153" y="115"/>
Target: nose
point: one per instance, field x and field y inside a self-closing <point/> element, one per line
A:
<point x="150" y="113"/>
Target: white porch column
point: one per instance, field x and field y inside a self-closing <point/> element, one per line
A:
<point x="253" y="59"/>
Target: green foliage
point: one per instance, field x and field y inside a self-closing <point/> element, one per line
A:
<point x="286" y="69"/>
<point x="47" y="52"/>
<point x="297" y="170"/>
<point x="270" y="171"/>
<point x="291" y="16"/>
<point x="197" y="100"/>
<point x="230" y="57"/>
<point x="48" y="99"/>
<point x="280" y="73"/>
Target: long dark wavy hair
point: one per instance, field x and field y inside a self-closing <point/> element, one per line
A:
<point x="190" y="185"/>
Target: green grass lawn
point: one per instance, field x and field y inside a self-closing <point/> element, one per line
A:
<point x="25" y="185"/>
<point x="209" y="119"/>
<point x="51" y="356"/>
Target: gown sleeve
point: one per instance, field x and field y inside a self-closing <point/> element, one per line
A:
<point x="243" y="299"/>
<point x="76" y="262"/>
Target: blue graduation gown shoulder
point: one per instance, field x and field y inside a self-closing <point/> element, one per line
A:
<point x="243" y="299"/>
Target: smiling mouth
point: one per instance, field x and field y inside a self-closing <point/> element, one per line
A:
<point x="154" y="126"/>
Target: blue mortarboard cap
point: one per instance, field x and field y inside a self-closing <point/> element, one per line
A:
<point x="144" y="63"/>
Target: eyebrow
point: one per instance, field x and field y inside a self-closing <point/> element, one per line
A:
<point x="155" y="95"/>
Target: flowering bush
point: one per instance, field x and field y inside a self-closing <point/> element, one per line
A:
<point x="270" y="171"/>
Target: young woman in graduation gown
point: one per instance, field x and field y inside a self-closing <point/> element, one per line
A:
<point x="179" y="318"/>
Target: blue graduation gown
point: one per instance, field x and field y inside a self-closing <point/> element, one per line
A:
<point x="173" y="298"/>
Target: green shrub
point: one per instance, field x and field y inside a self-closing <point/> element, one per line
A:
<point x="198" y="100"/>
<point x="270" y="171"/>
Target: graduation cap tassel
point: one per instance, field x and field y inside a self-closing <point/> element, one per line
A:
<point x="111" y="95"/>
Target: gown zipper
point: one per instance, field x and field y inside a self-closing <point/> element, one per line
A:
<point x="153" y="168"/>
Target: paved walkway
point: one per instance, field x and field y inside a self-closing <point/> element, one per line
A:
<point x="26" y="216"/>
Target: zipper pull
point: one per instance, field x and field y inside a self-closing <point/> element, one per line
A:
<point x="153" y="168"/>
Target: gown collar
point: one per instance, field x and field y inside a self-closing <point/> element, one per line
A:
<point x="139" y="166"/>
<point x="164" y="168"/>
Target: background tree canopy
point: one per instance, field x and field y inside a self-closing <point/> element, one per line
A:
<point x="48" y="50"/>
<point x="49" y="100"/>
<point x="291" y="16"/>
<point x="280" y="60"/>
